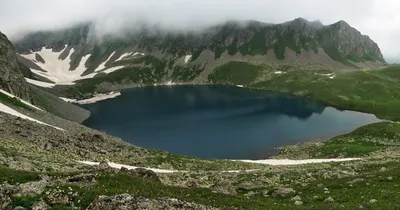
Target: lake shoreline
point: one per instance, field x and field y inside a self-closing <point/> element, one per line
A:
<point x="94" y="99"/>
<point x="226" y="107"/>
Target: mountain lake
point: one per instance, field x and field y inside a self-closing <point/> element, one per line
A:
<point x="210" y="121"/>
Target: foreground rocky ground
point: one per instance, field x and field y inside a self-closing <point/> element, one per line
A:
<point x="373" y="183"/>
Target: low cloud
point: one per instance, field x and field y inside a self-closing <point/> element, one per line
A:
<point x="378" y="19"/>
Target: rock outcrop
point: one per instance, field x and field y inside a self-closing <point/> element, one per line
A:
<point x="11" y="78"/>
<point x="340" y="41"/>
<point x="128" y="202"/>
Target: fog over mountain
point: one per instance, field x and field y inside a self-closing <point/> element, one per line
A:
<point x="378" y="19"/>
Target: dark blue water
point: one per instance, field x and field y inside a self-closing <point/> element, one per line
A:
<point x="218" y="121"/>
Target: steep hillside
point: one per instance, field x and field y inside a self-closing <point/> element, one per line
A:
<point x="150" y="56"/>
<point x="11" y="78"/>
<point x="12" y="73"/>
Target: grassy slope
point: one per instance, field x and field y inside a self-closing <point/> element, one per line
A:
<point x="367" y="91"/>
<point x="7" y="100"/>
<point x="374" y="91"/>
<point x="364" y="141"/>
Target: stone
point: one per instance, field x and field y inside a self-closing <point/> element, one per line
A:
<point x="249" y="185"/>
<point x="372" y="201"/>
<point x="19" y="208"/>
<point x="146" y="174"/>
<point x="5" y="192"/>
<point x="283" y="192"/>
<point x="56" y="196"/>
<point x="297" y="198"/>
<point x="103" y="166"/>
<point x="32" y="188"/>
<point x="142" y="173"/>
<point x="99" y="137"/>
<point x="5" y="201"/>
<point x="265" y="193"/>
<point x="298" y="203"/>
<point x="82" y="178"/>
<point x="224" y="187"/>
<point x="41" y="205"/>
<point x="330" y="199"/>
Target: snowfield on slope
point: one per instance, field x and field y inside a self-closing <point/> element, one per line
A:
<point x="9" y="110"/>
<point x="58" y="70"/>
<point x="23" y="101"/>
<point x="187" y="58"/>
<point x="40" y="83"/>
<point x="265" y="162"/>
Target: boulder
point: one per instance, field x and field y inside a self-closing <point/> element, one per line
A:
<point x="282" y="192"/>
<point x="224" y="187"/>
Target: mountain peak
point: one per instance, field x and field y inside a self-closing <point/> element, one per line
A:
<point x="301" y="20"/>
<point x="342" y="24"/>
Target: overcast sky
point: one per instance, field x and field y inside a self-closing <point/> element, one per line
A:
<point x="380" y="19"/>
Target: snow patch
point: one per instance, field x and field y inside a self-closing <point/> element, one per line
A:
<point x="40" y="83"/>
<point x="130" y="54"/>
<point x="156" y="170"/>
<point x="330" y="76"/>
<point x="69" y="100"/>
<point x="279" y="72"/>
<point x="119" y="166"/>
<point x="123" y="56"/>
<point x="266" y="162"/>
<point x="169" y="83"/>
<point x="187" y="58"/>
<point x="103" y="65"/>
<point x="296" y="162"/>
<point x="98" y="97"/>
<point x="137" y="53"/>
<point x="112" y="69"/>
<point x="8" y="110"/>
<point x="23" y="101"/>
<point x="239" y="86"/>
<point x="57" y="70"/>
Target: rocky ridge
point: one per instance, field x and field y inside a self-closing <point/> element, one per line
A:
<point x="152" y="56"/>
<point x="341" y="42"/>
<point x="11" y="79"/>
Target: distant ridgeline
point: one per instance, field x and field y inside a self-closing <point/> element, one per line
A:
<point x="153" y="57"/>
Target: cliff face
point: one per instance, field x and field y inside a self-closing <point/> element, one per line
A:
<point x="11" y="77"/>
<point x="152" y="56"/>
<point x="352" y="44"/>
<point x="340" y="41"/>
